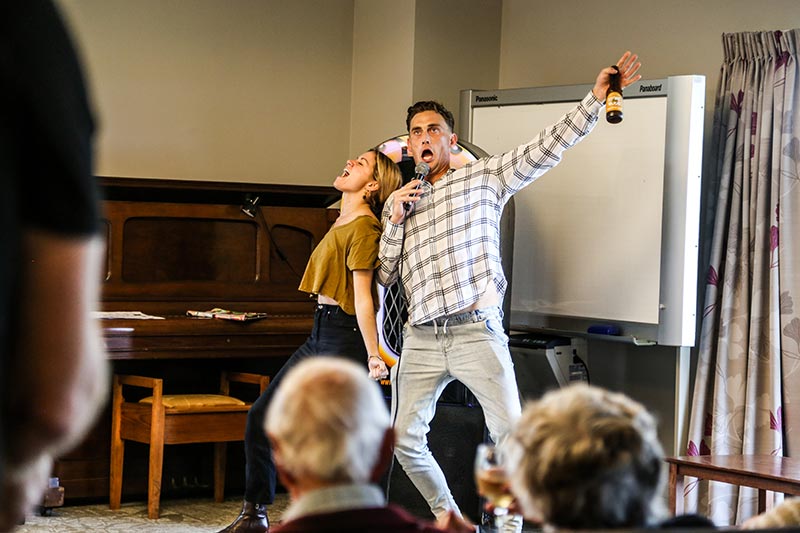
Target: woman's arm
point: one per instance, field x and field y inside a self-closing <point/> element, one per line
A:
<point x="365" y="315"/>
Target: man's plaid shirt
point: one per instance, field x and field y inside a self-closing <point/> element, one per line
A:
<point x="452" y="238"/>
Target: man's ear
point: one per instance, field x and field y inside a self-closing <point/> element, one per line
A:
<point x="453" y="139"/>
<point x="385" y="456"/>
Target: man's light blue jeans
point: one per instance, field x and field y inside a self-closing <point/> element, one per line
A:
<point x="472" y="348"/>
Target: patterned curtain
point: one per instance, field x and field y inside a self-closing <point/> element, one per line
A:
<point x="747" y="389"/>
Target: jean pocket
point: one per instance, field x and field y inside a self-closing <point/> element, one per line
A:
<point x="495" y="327"/>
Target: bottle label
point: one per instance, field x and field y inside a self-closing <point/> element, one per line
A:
<point x="614" y="102"/>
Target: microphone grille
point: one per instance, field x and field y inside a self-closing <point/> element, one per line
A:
<point x="422" y="169"/>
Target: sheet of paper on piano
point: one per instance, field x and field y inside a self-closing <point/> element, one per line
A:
<point x="225" y="314"/>
<point x="125" y="315"/>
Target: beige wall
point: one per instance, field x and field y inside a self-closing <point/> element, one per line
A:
<point x="409" y="50"/>
<point x="239" y="90"/>
<point x="267" y="90"/>
<point x="457" y="47"/>
<point x="546" y="43"/>
<point x="383" y="66"/>
<point x="271" y="91"/>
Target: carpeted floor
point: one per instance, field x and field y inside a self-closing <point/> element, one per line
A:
<point x="177" y="516"/>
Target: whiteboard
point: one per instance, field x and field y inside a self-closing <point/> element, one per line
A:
<point x="610" y="234"/>
<point x="586" y="226"/>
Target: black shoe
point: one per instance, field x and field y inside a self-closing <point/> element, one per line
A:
<point x="252" y="519"/>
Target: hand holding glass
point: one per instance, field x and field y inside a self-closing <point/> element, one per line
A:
<point x="490" y="476"/>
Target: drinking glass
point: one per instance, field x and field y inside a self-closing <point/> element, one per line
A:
<point x="492" y="482"/>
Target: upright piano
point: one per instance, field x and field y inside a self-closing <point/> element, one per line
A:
<point x="175" y="246"/>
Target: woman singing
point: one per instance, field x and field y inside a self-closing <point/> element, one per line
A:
<point x="340" y="274"/>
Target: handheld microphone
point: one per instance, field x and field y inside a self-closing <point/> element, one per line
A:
<point x="420" y="171"/>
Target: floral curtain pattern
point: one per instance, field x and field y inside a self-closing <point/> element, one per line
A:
<point x="747" y="389"/>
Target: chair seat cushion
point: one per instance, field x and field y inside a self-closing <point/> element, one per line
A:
<point x="195" y="400"/>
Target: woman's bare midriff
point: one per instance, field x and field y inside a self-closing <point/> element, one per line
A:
<point x="324" y="300"/>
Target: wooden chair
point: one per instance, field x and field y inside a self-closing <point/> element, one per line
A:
<point x="175" y="419"/>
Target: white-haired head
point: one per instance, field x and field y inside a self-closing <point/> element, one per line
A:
<point x="328" y="421"/>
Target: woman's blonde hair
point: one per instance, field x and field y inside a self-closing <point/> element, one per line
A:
<point x="389" y="178"/>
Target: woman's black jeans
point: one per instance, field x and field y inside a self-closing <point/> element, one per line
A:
<point x="335" y="333"/>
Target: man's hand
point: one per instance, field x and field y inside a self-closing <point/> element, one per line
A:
<point x="627" y="65"/>
<point x="408" y="194"/>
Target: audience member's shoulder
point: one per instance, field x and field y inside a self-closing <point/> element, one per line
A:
<point x="390" y="519"/>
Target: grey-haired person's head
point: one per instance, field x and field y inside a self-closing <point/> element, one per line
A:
<point x="582" y="457"/>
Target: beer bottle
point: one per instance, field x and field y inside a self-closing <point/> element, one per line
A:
<point x="614" y="98"/>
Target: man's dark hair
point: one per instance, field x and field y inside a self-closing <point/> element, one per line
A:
<point x="430" y="105"/>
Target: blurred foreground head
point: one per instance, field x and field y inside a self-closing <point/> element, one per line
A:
<point x="585" y="458"/>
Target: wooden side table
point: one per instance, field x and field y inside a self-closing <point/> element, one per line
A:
<point x="762" y="472"/>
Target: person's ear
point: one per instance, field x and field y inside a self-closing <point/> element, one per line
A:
<point x="385" y="456"/>
<point x="372" y="186"/>
<point x="453" y="139"/>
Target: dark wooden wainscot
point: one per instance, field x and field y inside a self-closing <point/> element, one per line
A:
<point x="174" y="246"/>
